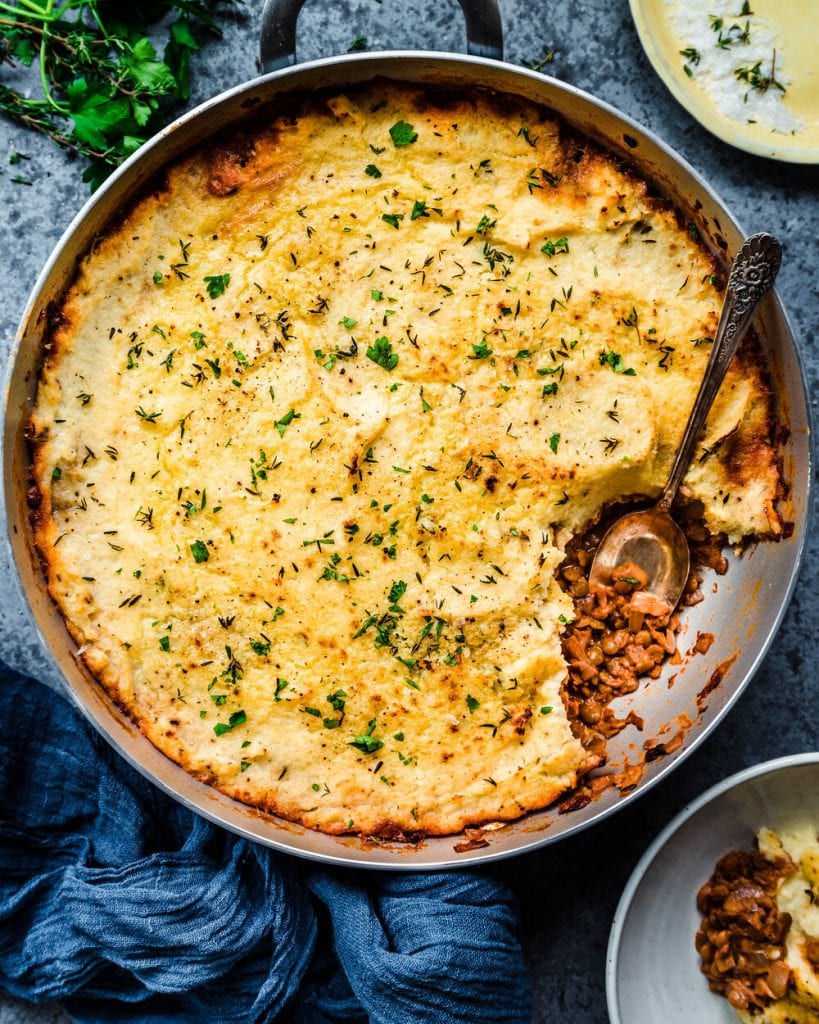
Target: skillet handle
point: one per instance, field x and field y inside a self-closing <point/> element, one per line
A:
<point x="484" y="31"/>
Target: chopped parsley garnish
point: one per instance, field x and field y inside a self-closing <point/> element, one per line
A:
<point x="397" y="591"/>
<point x="381" y="353"/>
<point x="217" y="283"/>
<point x="237" y="718"/>
<point x="615" y="361"/>
<point x="158" y="277"/>
<point x="331" y="573"/>
<point x="199" y="551"/>
<point x="259" y="468"/>
<point x="260" y="647"/>
<point x="392" y="219"/>
<point x="327" y="359"/>
<point x="282" y="424"/>
<point x="481" y="351"/>
<point x="419" y="209"/>
<point x="281" y="684"/>
<point x="373" y="171"/>
<point x="402" y="134"/>
<point x="546" y="709"/>
<point x="164" y="643"/>
<point x="472" y="703"/>
<point x="366" y="742"/>
<point x="348" y="322"/>
<point x="56" y="473"/>
<point x="554" y="441"/>
<point x="336" y="700"/>
<point x="555" y="248"/>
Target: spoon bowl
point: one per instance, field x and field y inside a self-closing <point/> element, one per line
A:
<point x="651" y="540"/>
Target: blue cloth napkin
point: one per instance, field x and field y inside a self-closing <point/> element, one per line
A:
<point x="128" y="908"/>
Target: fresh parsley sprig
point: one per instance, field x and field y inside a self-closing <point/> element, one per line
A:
<point x="104" y="90"/>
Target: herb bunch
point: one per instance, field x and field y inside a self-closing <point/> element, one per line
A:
<point x="104" y="90"/>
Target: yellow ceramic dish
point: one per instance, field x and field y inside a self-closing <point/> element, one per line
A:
<point x="746" y="71"/>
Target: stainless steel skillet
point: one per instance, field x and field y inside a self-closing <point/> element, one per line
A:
<point x="743" y="613"/>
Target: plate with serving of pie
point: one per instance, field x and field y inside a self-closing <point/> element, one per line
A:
<point x="718" y="922"/>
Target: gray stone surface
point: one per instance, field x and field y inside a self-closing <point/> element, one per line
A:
<point x="15" y="1011"/>
<point x="568" y="892"/>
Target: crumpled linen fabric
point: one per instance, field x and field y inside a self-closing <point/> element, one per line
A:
<point x="128" y="908"/>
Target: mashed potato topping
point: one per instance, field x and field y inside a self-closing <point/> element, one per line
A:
<point x="798" y="896"/>
<point x="317" y="421"/>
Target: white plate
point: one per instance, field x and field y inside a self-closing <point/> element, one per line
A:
<point x="791" y="25"/>
<point x="652" y="967"/>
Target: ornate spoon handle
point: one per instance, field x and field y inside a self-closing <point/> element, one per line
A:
<point x="752" y="276"/>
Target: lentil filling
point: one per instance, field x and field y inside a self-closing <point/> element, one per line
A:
<point x="741" y="940"/>
<point x="620" y="635"/>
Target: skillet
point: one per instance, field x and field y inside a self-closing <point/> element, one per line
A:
<point x="743" y="613"/>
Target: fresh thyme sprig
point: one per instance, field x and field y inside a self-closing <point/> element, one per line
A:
<point x="103" y="88"/>
<point x="757" y="80"/>
<point x="540" y="64"/>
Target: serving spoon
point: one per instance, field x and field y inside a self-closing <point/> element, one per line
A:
<point x="651" y="540"/>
